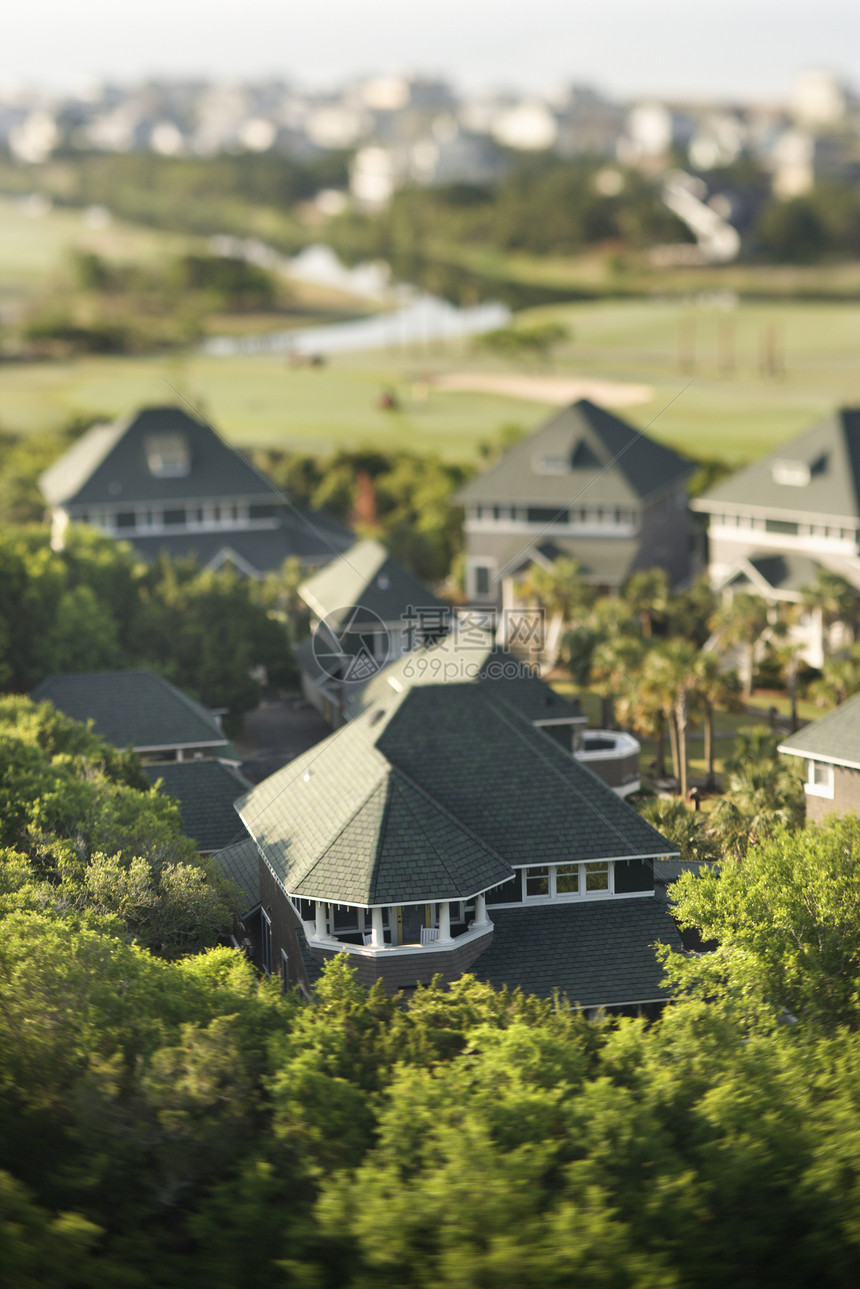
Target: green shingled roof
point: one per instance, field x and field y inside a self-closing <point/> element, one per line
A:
<point x="789" y="573"/>
<point x="368" y="577"/>
<point x="436" y="795"/>
<point x="205" y="792"/>
<point x="469" y="654"/>
<point x="829" y="454"/>
<point x="582" y="449"/>
<point x="108" y="465"/>
<point x="604" y="560"/>
<point x="135" y="709"/>
<point x="597" y="955"/>
<point x="834" y="737"/>
<point x="241" y="863"/>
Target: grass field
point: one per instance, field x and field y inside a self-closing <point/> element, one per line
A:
<point x="34" y="248"/>
<point x="702" y="359"/>
<point x="734" y="415"/>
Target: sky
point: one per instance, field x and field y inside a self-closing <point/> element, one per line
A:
<point x="752" y="49"/>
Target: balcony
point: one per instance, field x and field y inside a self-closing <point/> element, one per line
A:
<point x="613" y="756"/>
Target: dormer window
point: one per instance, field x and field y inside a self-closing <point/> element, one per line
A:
<point x="168" y="456"/>
<point x="552" y="465"/>
<point x="793" y="474"/>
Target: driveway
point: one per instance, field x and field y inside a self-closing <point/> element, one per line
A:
<point x="278" y="731"/>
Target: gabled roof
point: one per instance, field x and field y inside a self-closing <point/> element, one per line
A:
<point x="582" y="451"/>
<point x="135" y="709"/>
<point x="469" y="654"/>
<point x="818" y="473"/>
<point x="366" y="576"/>
<point x="604" y="560"/>
<point x="834" y="738"/>
<point x="205" y="792"/>
<point x="436" y="795"/>
<point x="110" y="464"/>
<point x="786" y="575"/>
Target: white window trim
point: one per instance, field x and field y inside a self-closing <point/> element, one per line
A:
<point x="814" y="789"/>
<point x="581" y="893"/>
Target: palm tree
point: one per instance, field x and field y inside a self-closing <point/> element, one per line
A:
<point x="836" y="600"/>
<point x="683" y="827"/>
<point x="560" y="592"/>
<point x="742" y="620"/>
<point x="646" y="594"/>
<point x="840" y="678"/>
<point x="715" y="688"/>
<point x="762" y="796"/>
<point x="682" y="661"/>
<point x="614" y="665"/>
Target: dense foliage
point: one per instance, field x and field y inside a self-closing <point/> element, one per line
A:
<point x="93" y="606"/>
<point x="401" y="497"/>
<point x="183" y="1123"/>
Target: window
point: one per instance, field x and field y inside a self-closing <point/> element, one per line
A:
<point x="497" y="512"/>
<point x="266" y="942"/>
<point x="554" y="881"/>
<point x="167" y="455"/>
<point x="125" y="519"/>
<point x="567" y="879"/>
<point x="256" y="511"/>
<point x="175" y="516"/>
<point x="546" y="515"/>
<point x="787" y="526"/>
<point x="597" y="877"/>
<point x="536" y="882"/>
<point x="482" y="579"/>
<point x="819" y="781"/>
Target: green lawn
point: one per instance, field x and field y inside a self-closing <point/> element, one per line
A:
<point x="676" y="346"/>
<point x="34" y="248"/>
<point x="261" y="401"/>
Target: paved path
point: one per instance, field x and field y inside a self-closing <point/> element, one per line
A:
<point x="278" y="731"/>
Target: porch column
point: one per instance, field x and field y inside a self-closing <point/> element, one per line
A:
<point x="480" y="910"/>
<point x="320" y="920"/>
<point x="392" y="924"/>
<point x="377" y="934"/>
<point x="444" y="922"/>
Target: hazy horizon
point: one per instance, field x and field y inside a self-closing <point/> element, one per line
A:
<point x="718" y="49"/>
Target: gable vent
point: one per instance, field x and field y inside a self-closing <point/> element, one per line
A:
<point x="168" y="456"/>
<point x="793" y="474"/>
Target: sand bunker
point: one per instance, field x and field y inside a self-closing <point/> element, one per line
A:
<point x="558" y="391"/>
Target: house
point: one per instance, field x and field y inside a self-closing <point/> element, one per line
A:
<point x="471" y="654"/>
<point x="366" y="609"/>
<point x="442" y="832"/>
<point x="774" y="524"/>
<point x="585" y="486"/>
<point x="831" y="748"/>
<point x="180" y="743"/>
<point x="165" y="481"/>
<point x="205" y="792"/>
<point x="140" y="710"/>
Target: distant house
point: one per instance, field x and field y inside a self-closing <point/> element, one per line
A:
<point x="776" y="523"/>
<point x="366" y="609"/>
<point x="140" y="710"/>
<point x="586" y="486"/>
<point x="441" y="832"/>
<point x="830" y="747"/>
<point x="470" y="654"/>
<point x="179" y="741"/>
<point x="165" y="481"/>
